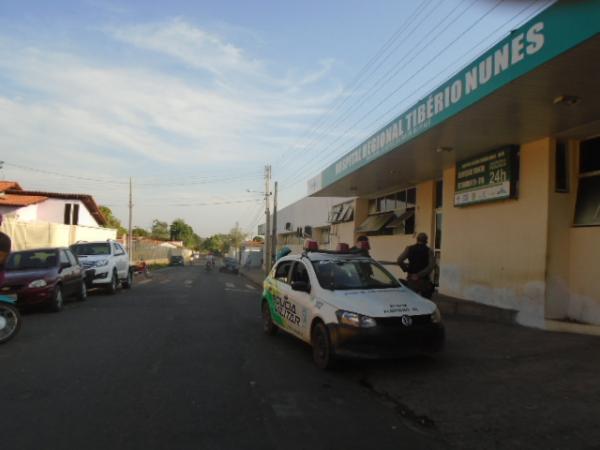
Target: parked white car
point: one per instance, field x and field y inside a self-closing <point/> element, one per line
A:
<point x="109" y="261"/>
<point x="348" y="305"/>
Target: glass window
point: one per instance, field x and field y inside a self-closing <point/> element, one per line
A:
<point x="72" y="258"/>
<point x="63" y="258"/>
<point x="353" y="274"/>
<point x="102" y="248"/>
<point x="438" y="231"/>
<point x="281" y="274"/>
<point x="299" y="273"/>
<point x="587" y="208"/>
<point x="587" y="211"/>
<point x="561" y="176"/>
<point x="439" y="194"/>
<point x="27" y="260"/>
<point x="67" y="218"/>
<point x="411" y="197"/>
<point x="589" y="156"/>
<point x="373" y="206"/>
<point x="401" y="199"/>
<point x="390" y="202"/>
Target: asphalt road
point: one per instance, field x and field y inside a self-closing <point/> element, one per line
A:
<point x="180" y="362"/>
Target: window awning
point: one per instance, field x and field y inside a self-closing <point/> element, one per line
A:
<point x="398" y="222"/>
<point x="375" y="223"/>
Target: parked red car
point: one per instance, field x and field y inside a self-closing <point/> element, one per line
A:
<point x="44" y="276"/>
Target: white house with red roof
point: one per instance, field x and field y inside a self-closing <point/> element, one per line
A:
<point x="53" y="207"/>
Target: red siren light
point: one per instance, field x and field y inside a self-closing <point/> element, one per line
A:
<point x="311" y="245"/>
<point x="342" y="247"/>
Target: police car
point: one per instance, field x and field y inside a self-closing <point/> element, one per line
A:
<point x="345" y="304"/>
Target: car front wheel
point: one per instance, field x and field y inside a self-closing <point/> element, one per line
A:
<point x="323" y="355"/>
<point x="57" y="300"/>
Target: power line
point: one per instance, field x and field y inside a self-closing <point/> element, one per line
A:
<point x="230" y="202"/>
<point x="385" y="80"/>
<point x="343" y="96"/>
<point x="299" y="177"/>
<point x="368" y="93"/>
<point x="113" y="181"/>
<point x="417" y="91"/>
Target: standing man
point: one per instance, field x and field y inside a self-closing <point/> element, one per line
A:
<point x="421" y="262"/>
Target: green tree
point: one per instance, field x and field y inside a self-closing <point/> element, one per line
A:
<point x="112" y="221"/>
<point x="160" y="230"/>
<point x="140" y="232"/>
<point x="215" y="244"/>
<point x="181" y="231"/>
<point x="236" y="237"/>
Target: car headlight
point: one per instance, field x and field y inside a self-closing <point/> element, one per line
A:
<point x="436" y="317"/>
<point x="37" y="284"/>
<point x="355" y="320"/>
<point x="101" y="263"/>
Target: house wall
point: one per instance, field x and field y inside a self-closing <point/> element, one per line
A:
<point x="53" y="210"/>
<point x="25" y="213"/>
<point x="495" y="253"/>
<point x="27" y="235"/>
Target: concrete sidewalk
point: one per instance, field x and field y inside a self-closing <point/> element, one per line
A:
<point x="496" y="385"/>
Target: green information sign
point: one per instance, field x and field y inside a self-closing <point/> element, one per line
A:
<point x="487" y="177"/>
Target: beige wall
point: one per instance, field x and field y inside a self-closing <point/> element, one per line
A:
<point x="573" y="291"/>
<point x="27" y="235"/>
<point x="342" y="232"/>
<point x="495" y="253"/>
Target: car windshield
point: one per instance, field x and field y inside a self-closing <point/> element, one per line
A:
<point x="34" y="259"/>
<point x="340" y="274"/>
<point x="102" y="248"/>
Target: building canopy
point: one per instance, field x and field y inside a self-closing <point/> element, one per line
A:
<point x="540" y="80"/>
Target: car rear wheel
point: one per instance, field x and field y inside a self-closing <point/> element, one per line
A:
<point x="57" y="300"/>
<point x="114" y="283"/>
<point x="268" y="326"/>
<point x="323" y="355"/>
<point x="82" y="294"/>
<point x="129" y="281"/>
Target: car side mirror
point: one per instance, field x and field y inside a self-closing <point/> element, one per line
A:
<point x="64" y="265"/>
<point x="302" y="286"/>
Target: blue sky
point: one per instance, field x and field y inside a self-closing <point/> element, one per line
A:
<point x="193" y="98"/>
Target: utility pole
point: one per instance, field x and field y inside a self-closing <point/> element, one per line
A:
<point x="274" y="238"/>
<point x="129" y="228"/>
<point x="267" y="249"/>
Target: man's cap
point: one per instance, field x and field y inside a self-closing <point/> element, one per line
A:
<point x="422" y="237"/>
<point x="362" y="239"/>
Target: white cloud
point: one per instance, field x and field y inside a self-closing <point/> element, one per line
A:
<point x="191" y="45"/>
<point x="66" y="111"/>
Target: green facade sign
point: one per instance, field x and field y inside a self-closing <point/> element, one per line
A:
<point x="487" y="177"/>
<point x="554" y="31"/>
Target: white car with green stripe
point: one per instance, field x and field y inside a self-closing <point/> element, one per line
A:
<point x="348" y="305"/>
